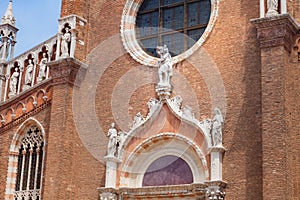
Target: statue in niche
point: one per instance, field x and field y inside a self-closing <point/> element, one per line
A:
<point x="216" y="127"/>
<point x="65" y="41"/>
<point x="14" y="82"/>
<point x="29" y="73"/>
<point x="113" y="139"/>
<point x="272" y="7"/>
<point x="43" y="66"/>
<point x="165" y="66"/>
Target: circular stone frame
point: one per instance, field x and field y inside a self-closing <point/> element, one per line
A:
<point x="132" y="46"/>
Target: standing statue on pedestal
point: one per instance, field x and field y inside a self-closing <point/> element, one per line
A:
<point x="43" y="66"/>
<point x="216" y="128"/>
<point x="165" y="66"/>
<point x="164" y="87"/>
<point x="28" y="75"/>
<point x="272" y="7"/>
<point x="112" y="143"/>
<point x="13" y="83"/>
<point x="65" y="41"/>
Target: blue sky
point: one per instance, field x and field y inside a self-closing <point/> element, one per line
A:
<point x="37" y="21"/>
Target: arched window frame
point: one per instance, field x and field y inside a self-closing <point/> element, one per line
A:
<point x="19" y="139"/>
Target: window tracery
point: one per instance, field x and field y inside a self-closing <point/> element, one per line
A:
<point x="30" y="161"/>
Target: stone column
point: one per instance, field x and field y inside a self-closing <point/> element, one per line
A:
<point x="111" y="171"/>
<point x="276" y="37"/>
<point x="216" y="159"/>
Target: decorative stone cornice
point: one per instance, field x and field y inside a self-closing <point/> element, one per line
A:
<point x="279" y="30"/>
<point x="66" y="71"/>
<point x="195" y="191"/>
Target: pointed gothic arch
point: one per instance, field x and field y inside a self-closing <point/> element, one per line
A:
<point x="25" y="163"/>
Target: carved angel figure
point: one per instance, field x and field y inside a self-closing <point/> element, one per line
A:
<point x="165" y="66"/>
<point x="112" y="143"/>
<point x="216" y="129"/>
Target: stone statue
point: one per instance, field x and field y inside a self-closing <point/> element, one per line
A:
<point x="112" y="143"/>
<point x="165" y="66"/>
<point x="14" y="82"/>
<point x="216" y="129"/>
<point x="43" y="66"/>
<point x="272" y="7"/>
<point x="138" y="119"/>
<point x="29" y="71"/>
<point x="65" y="40"/>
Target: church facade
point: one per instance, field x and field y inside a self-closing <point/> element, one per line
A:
<point x="154" y="99"/>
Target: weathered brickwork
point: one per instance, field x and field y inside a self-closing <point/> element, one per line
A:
<point x="249" y="68"/>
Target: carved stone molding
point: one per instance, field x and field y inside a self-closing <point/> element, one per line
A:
<point x="279" y="30"/>
<point x="215" y="190"/>
<point x="66" y="71"/>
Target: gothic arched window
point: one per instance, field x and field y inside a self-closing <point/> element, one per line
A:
<point x="30" y="162"/>
<point x="177" y="23"/>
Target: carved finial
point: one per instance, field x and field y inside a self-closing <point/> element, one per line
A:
<point x="164" y="87"/>
<point x="8" y="17"/>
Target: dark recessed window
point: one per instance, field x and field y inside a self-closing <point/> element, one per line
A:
<point x="176" y="23"/>
<point x="168" y="170"/>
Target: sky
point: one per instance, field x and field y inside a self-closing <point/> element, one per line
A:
<point x="37" y="21"/>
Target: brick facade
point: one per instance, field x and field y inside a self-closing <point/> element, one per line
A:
<point x="248" y="67"/>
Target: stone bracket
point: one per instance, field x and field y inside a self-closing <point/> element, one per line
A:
<point x="279" y="30"/>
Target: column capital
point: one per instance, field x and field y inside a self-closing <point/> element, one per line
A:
<point x="215" y="190"/>
<point x="279" y="30"/>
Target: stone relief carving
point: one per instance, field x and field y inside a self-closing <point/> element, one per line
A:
<point x="65" y="41"/>
<point x="215" y="193"/>
<point x="152" y="105"/>
<point x="13" y="83"/>
<point x="108" y="196"/>
<point x="165" y="73"/>
<point x="272" y="7"/>
<point x="176" y="102"/>
<point x="43" y="67"/>
<point x="138" y="119"/>
<point x="216" y="128"/>
<point x="112" y="143"/>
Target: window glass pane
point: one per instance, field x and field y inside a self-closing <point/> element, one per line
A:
<point x="168" y="170"/>
<point x="193" y="14"/>
<point x="173" y="18"/>
<point x="150" y="45"/>
<point x="168" y="2"/>
<point x="149" y="5"/>
<point x="147" y="24"/>
<point x="194" y="36"/>
<point x="174" y="42"/>
<point x="204" y="11"/>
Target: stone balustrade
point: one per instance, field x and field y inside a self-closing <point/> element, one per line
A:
<point x="28" y="69"/>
